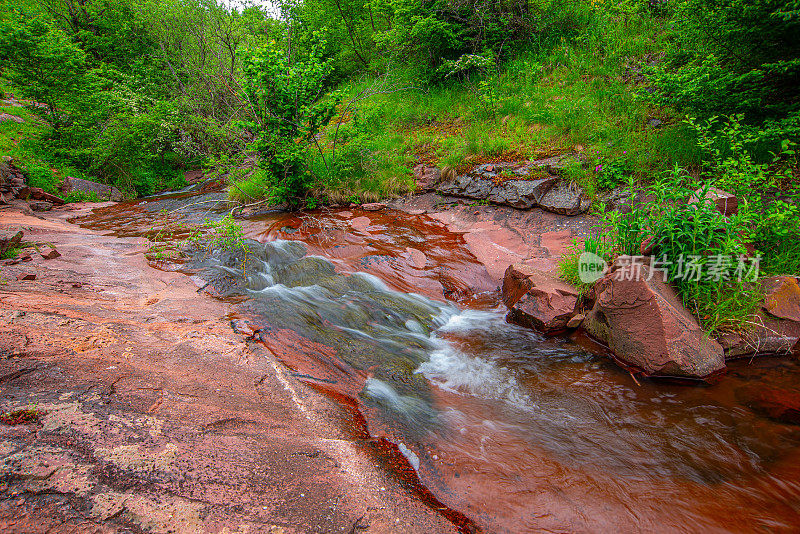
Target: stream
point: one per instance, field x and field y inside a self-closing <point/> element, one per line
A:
<point x="391" y="313"/>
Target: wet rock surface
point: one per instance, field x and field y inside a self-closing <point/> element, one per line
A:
<point x="508" y="432"/>
<point x="538" y="300"/>
<point x="159" y="418"/>
<point x="644" y="323"/>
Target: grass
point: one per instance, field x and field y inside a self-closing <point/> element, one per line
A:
<point x="575" y="97"/>
<point x="23" y="416"/>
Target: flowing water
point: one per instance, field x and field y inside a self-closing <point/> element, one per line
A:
<point x="389" y="313"/>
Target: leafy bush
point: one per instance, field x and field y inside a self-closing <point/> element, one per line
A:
<point x="734" y="56"/>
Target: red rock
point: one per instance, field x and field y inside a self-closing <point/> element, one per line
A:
<point x="373" y="206"/>
<point x="426" y="178"/>
<point x="26" y="276"/>
<point x="772" y="336"/>
<point x="538" y="300"/>
<point x="39" y="194"/>
<point x="360" y="223"/>
<point x="576" y="321"/>
<point x="782" y="297"/>
<point x="192" y="177"/>
<point x="779" y="404"/>
<point x="727" y="203"/>
<point x="53" y="254"/>
<point x="644" y="324"/>
<point x="647" y="246"/>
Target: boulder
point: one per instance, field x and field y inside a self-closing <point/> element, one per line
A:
<point x="782" y="297"/>
<point x="105" y="192"/>
<point x="37" y="193"/>
<point x="538" y="300"/>
<point x="726" y="203"/>
<point x="645" y="325"/>
<point x="373" y="206"/>
<point x="522" y="194"/>
<point x="565" y="199"/>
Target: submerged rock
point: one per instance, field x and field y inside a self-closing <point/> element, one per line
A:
<point x="538" y="300"/>
<point x="644" y="323"/>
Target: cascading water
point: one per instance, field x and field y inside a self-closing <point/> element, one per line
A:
<point x="518" y="432"/>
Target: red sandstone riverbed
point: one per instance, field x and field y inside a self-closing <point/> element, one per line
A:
<point x="534" y="435"/>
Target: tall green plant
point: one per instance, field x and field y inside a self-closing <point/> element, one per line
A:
<point x="285" y="90"/>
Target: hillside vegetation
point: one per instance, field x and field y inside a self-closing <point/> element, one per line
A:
<point x="338" y="100"/>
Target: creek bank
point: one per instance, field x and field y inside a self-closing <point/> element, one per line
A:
<point x="522" y="185"/>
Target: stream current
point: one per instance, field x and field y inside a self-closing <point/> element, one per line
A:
<point x="518" y="432"/>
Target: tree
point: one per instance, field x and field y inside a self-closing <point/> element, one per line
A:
<point x="43" y="62"/>
<point x="285" y="91"/>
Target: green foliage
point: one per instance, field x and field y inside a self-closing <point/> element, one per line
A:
<point x="286" y="94"/>
<point x="692" y="241"/>
<point x="735" y="56"/>
<point x="42" y="61"/>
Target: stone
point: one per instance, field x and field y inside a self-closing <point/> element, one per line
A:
<point x="769" y="337"/>
<point x="194" y="176"/>
<point x="10" y="242"/>
<point x="40" y="205"/>
<point x="360" y="223"/>
<point x="537" y="300"/>
<point x="418" y="257"/>
<point x="646" y="247"/>
<point x="576" y="321"/>
<point x="26" y="276"/>
<point x="38" y="193"/>
<point x="778" y="404"/>
<point x="564" y="199"/>
<point x="726" y="203"/>
<point x="645" y="325"/>
<point x="105" y="192"/>
<point x="523" y="194"/>
<point x="53" y="254"/>
<point x="426" y="178"/>
<point x="782" y="297"/>
<point x="373" y="206"/>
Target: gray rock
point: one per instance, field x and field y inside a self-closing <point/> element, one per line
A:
<point x="105" y="192"/>
<point x="40" y="205"/>
<point x="565" y="199"/>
